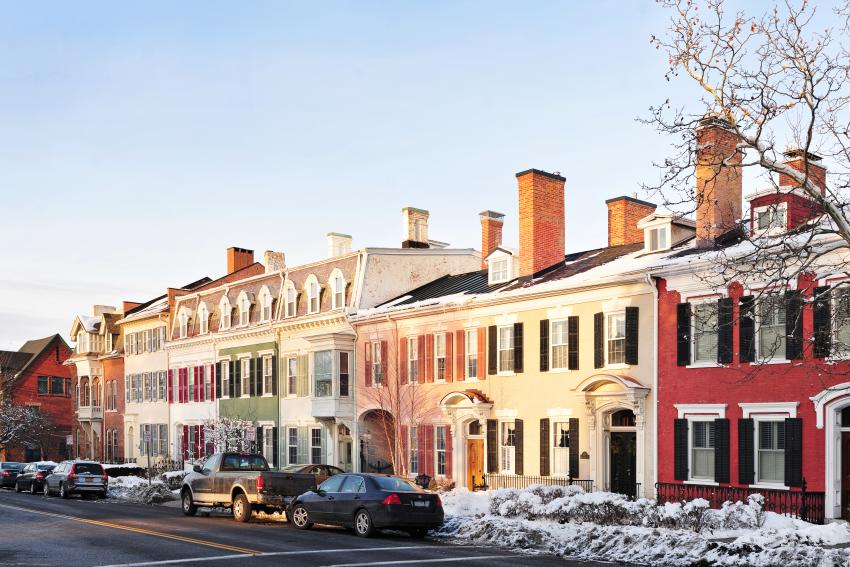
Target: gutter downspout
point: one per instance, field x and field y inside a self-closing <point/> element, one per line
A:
<point x="654" y="429"/>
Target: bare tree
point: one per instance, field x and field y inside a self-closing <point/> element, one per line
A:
<point x="228" y="434"/>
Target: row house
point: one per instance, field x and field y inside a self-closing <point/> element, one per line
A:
<point x="537" y="364"/>
<point x="98" y="385"/>
<point x="36" y="377"/>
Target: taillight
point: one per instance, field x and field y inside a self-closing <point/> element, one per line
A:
<point x="104" y="477"/>
<point x="392" y="499"/>
<point x="39" y="476"/>
<point x="260" y="482"/>
<point x="439" y="502"/>
<point x="6" y="473"/>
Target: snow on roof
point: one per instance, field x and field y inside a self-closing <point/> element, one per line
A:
<point x="90" y="324"/>
<point x="155" y="308"/>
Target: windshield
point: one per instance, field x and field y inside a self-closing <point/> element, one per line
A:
<point x="88" y="468"/>
<point x="244" y="463"/>
<point x="394" y="484"/>
<point x="13" y="466"/>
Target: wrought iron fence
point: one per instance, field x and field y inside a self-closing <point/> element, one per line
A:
<point x="802" y="504"/>
<point x="523" y="481"/>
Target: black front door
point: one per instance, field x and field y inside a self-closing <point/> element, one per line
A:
<point x="623" y="459"/>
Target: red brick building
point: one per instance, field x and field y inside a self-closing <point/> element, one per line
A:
<point x="35" y="376"/>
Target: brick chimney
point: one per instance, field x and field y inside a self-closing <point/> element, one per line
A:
<point x="414" y="227"/>
<point x="623" y="216"/>
<point x="541" y="220"/>
<point x="798" y="159"/>
<point x="238" y="258"/>
<point x="491" y="233"/>
<point x="719" y="180"/>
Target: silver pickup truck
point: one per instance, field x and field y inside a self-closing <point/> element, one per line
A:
<point x="243" y="483"/>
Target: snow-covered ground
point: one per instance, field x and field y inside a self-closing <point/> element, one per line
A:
<point x="605" y="526"/>
<point x="137" y="489"/>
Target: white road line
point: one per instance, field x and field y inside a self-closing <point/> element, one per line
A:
<point x="411" y="561"/>
<point x="267" y="554"/>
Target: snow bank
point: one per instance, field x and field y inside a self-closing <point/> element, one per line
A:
<point x="137" y="489"/>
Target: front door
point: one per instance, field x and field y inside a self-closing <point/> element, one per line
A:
<point x="623" y="460"/>
<point x="474" y="463"/>
<point x="845" y="475"/>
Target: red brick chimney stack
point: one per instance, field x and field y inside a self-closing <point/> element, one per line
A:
<point x="491" y="233"/>
<point x="623" y="216"/>
<point x="719" y="180"/>
<point x="797" y="159"/>
<point x="541" y="220"/>
<point x="238" y="258"/>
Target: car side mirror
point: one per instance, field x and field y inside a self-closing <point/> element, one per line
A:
<point x="319" y="491"/>
<point x="197" y="468"/>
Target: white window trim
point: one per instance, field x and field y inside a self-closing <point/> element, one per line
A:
<point x="336" y="273"/>
<point x="702" y="363"/>
<point x="779" y="416"/>
<point x="499" y="350"/>
<point x="289" y="286"/>
<point x="502" y="445"/>
<point x="264" y="296"/>
<point x="264" y="358"/>
<point x="203" y="318"/>
<point x="694" y="419"/>
<point x="491" y="272"/>
<point x="779" y="357"/>
<point x="445" y="360"/>
<point x="242" y="376"/>
<point x="686" y="411"/>
<point x="312" y="279"/>
<point x="606" y="315"/>
<point x="467" y="354"/>
<point x="781" y="208"/>
<point x="552" y="346"/>
<point x="225" y="307"/>
<point x="240" y="301"/>
<point x="756" y="409"/>
<point x="225" y="393"/>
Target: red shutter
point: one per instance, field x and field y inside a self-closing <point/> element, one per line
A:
<point x="429" y="357"/>
<point x="402" y="360"/>
<point x="482" y="353"/>
<point x="197" y="378"/>
<point x="449" y="359"/>
<point x="185" y="386"/>
<point x="459" y="350"/>
<point x="180" y="385"/>
<point x="185" y="443"/>
<point x="405" y="456"/>
<point x="448" y="452"/>
<point x="212" y="382"/>
<point x="385" y="361"/>
<point x="429" y="450"/>
<point x="421" y="449"/>
<point x="420" y="347"/>
<point x="367" y="356"/>
<point x="170" y="386"/>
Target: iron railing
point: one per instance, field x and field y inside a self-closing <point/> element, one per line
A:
<point x="802" y="504"/>
<point x="523" y="481"/>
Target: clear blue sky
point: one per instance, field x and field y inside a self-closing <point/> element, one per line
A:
<point x="138" y="143"/>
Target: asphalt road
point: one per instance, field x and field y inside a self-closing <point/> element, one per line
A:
<point x="35" y="530"/>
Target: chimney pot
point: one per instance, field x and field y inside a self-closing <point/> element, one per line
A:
<point x="541" y="220"/>
<point x="338" y="244"/>
<point x="415" y="227"/>
<point x="718" y="178"/>
<point x="491" y="233"/>
<point x="238" y="258"/>
<point x="623" y="216"/>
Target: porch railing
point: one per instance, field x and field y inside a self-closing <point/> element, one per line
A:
<point x="802" y="504"/>
<point x="523" y="481"/>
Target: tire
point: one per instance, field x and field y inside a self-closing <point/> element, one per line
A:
<point x="188" y="507"/>
<point x="300" y="517"/>
<point x="241" y="508"/>
<point x="363" y="525"/>
<point x="18" y="487"/>
<point x="418" y="533"/>
<point x="46" y="490"/>
<point x="62" y="492"/>
<point x="33" y="491"/>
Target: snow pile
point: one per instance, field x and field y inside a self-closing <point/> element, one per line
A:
<point x="137" y="489"/>
<point x="174" y="479"/>
<point x="603" y="526"/>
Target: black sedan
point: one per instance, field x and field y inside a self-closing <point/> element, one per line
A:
<point x="368" y="502"/>
<point x="32" y="477"/>
<point x="8" y="473"/>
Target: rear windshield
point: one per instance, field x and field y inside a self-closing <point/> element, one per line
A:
<point x="88" y="468"/>
<point x="46" y="467"/>
<point x="244" y="463"/>
<point x="292" y="468"/>
<point x="13" y="466"/>
<point x="394" y="484"/>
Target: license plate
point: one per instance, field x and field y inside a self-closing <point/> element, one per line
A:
<point x="420" y="503"/>
<point x="87" y="479"/>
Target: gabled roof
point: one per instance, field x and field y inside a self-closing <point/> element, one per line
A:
<point x="30" y="351"/>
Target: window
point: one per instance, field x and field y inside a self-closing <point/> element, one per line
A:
<point x="702" y="450"/>
<point x="43" y="385"/>
<point x="506" y="349"/>
<point x="771" y="327"/>
<point x="558" y="349"/>
<point x="204" y="317"/>
<point x="155" y="337"/>
<point x="291" y="297"/>
<point x="225" y="313"/>
<point x="268" y="443"/>
<point x="316" y="445"/>
<point x="499" y="271"/>
<point x="163" y="387"/>
<point x="183" y="319"/>
<point x="292" y="376"/>
<point x="244" y="310"/>
<point x="148" y="341"/>
<point x="377" y="369"/>
<point x="841" y="319"/>
<point x="770" y="218"/>
<point x="292" y="445"/>
<point x="561" y="449"/>
<point x="225" y="379"/>
<point x="323" y="373"/>
<point x="508" y="447"/>
<point x="191" y="379"/>
<point x="412" y="359"/>
<point x="705" y="331"/>
<point x="616" y="338"/>
<point x="440" y="440"/>
<point x="313" y="296"/>
<point x="413" y="443"/>
<point x="344" y="374"/>
<point x="658" y="239"/>
<point x="471" y="353"/>
<point x="265" y="305"/>
<point x="440" y="357"/>
<point x="207" y="379"/>
<point x="163" y="440"/>
<point x="339" y="292"/>
<point x="146" y="387"/>
<point x="267" y="375"/>
<point x="771" y="452"/>
<point x="246" y="377"/>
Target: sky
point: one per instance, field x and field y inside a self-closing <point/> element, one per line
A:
<point x="138" y="142"/>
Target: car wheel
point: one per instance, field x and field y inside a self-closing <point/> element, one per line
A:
<point x="363" y="524"/>
<point x="46" y="489"/>
<point x="62" y="492"/>
<point x="18" y="487"/>
<point x="241" y="508"/>
<point x="301" y="518"/>
<point x="189" y="508"/>
<point x="32" y="488"/>
<point x="418" y="533"/>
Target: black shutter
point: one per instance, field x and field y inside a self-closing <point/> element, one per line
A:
<point x="632" y="321"/>
<point x="518" y="342"/>
<point x="259" y="440"/>
<point x="492" y="348"/>
<point x="721" y="450"/>
<point x="234" y="378"/>
<point x="793" y="325"/>
<point x="492" y="446"/>
<point x="274" y="375"/>
<point x="747" y="329"/>
<point x="544" y="446"/>
<point x="252" y="381"/>
<point x="683" y="334"/>
<point x="746" y="451"/>
<point x="680" y="449"/>
<point x="544" y="345"/>
<point x="823" y="322"/>
<point x="598" y="353"/>
<point x="793" y="451"/>
<point x="518" y="450"/>
<point x="574" y="451"/>
<point x="274" y="446"/>
<point x="724" y="333"/>
<point x="217" y="381"/>
<point x="572" y="344"/>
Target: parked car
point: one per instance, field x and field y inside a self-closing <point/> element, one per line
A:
<point x="77" y="477"/>
<point x="243" y="483"/>
<point x="8" y="473"/>
<point x="32" y="477"/>
<point x="321" y="472"/>
<point x="369" y="502"/>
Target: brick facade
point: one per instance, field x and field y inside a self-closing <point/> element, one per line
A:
<point x="541" y="220"/>
<point x="719" y="180"/>
<point x="491" y="233"/>
<point x="623" y="216"/>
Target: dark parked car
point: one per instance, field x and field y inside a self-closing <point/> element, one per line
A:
<point x="8" y="473"/>
<point x="77" y="477"/>
<point x="321" y="472"/>
<point x="369" y="502"/>
<point x="32" y="477"/>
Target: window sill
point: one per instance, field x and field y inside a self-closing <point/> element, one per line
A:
<point x="769" y="486"/>
<point x="267" y="396"/>
<point x="701" y="482"/>
<point x="506" y="373"/>
<point x="618" y="366"/>
<point x="705" y="365"/>
<point x="558" y="370"/>
<point x="772" y="361"/>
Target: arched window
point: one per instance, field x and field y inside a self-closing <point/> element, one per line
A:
<point x="204" y="318"/>
<point x="265" y="305"/>
<point x="243" y="302"/>
<point x="225" y="310"/>
<point x="183" y="321"/>
<point x="95" y="392"/>
<point x="291" y="299"/>
<point x="84" y="392"/>
<point x="337" y="285"/>
<point x="313" y="294"/>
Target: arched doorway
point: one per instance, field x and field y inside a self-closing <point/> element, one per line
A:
<point x="832" y="412"/>
<point x="378" y="441"/>
<point x="468" y="411"/>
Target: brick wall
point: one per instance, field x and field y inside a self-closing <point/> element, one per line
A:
<point x="719" y="183"/>
<point x="623" y="216"/>
<point x="541" y="220"/>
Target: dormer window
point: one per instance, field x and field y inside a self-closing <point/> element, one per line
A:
<point x="658" y="238"/>
<point x="225" y="309"/>
<point x="265" y="305"/>
<point x="244" y="310"/>
<point x="769" y="219"/>
<point x="312" y="295"/>
<point x="291" y="300"/>
<point x="204" y="318"/>
<point x="338" y="289"/>
<point x="662" y="231"/>
<point x="183" y="320"/>
<point x="499" y="270"/>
